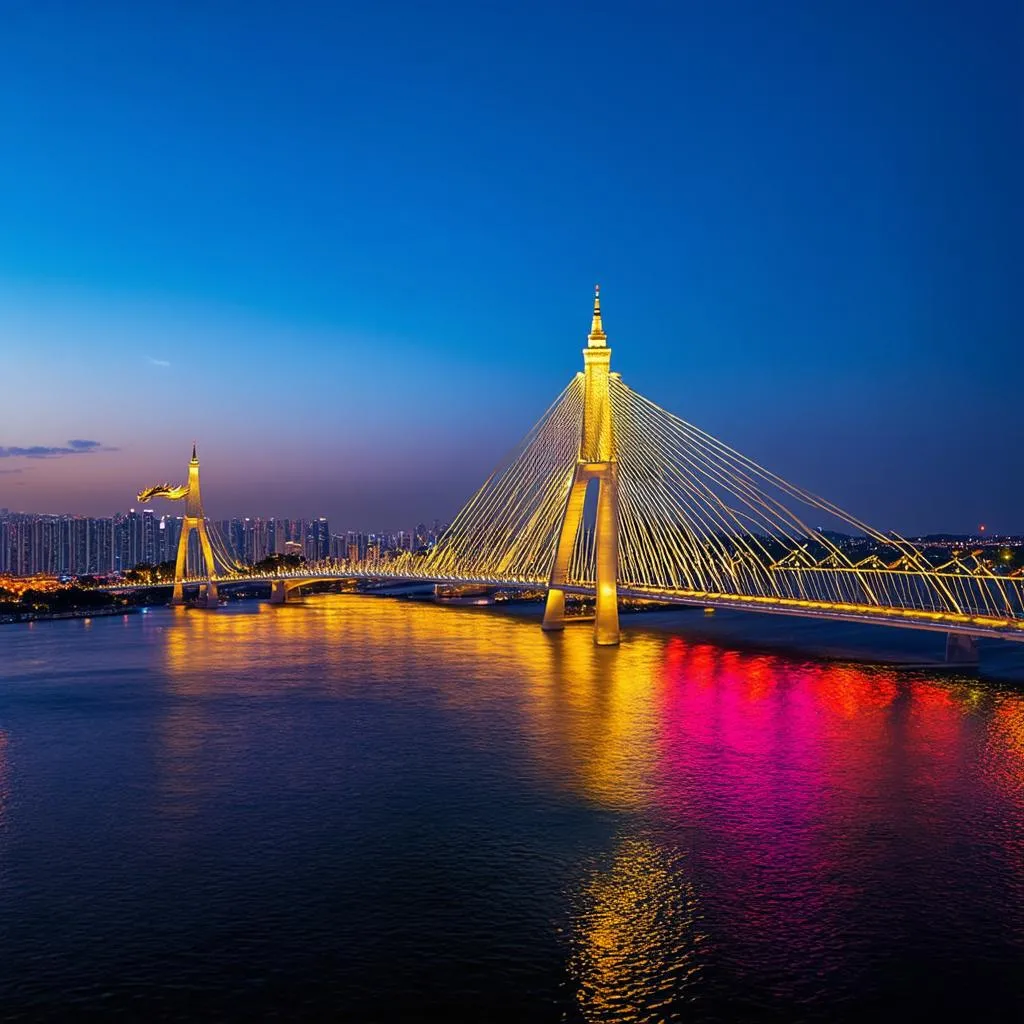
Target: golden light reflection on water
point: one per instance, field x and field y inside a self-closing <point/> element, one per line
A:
<point x="1009" y="727"/>
<point x="587" y="711"/>
<point x="637" y="937"/>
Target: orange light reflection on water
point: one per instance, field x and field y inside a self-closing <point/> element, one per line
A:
<point x="637" y="931"/>
<point x="599" y="737"/>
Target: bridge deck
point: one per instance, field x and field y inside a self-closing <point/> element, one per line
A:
<point x="905" y="618"/>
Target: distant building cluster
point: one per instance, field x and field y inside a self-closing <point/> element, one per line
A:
<point x="69" y="545"/>
<point x="253" y="539"/>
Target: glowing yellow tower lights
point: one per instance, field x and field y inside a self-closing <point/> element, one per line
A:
<point x="597" y="460"/>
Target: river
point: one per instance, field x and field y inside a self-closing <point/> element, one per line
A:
<point x="368" y="809"/>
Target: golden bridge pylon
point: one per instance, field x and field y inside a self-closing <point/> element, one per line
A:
<point x="193" y="521"/>
<point x="597" y="461"/>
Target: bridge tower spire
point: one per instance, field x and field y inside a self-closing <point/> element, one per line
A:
<point x="597" y="460"/>
<point x="194" y="521"/>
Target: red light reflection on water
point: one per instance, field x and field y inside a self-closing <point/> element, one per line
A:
<point x="805" y="784"/>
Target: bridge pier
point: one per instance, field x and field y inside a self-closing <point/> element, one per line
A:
<point x="208" y="596"/>
<point x="606" y="619"/>
<point x="961" y="649"/>
<point x="178" y="594"/>
<point x="280" y="594"/>
<point x="554" y="610"/>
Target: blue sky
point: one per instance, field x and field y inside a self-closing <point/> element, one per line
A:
<point x="363" y="239"/>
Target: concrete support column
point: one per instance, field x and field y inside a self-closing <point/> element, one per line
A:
<point x="280" y="593"/>
<point x="554" y="610"/>
<point x="606" y="623"/>
<point x="554" y="607"/>
<point x="961" y="649"/>
<point x="180" y="564"/>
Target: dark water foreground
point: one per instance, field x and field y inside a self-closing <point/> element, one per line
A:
<point x="371" y="810"/>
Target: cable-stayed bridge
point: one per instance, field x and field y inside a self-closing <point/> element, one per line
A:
<point x="610" y="495"/>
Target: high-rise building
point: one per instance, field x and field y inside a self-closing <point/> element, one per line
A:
<point x="101" y="546"/>
<point x="148" y="548"/>
<point x="323" y="538"/>
<point x="128" y="542"/>
<point x="170" y="526"/>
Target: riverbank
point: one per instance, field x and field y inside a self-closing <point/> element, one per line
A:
<point x="9" y="618"/>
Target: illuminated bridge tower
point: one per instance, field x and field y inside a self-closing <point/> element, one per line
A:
<point x="194" y="520"/>
<point x="598" y="461"/>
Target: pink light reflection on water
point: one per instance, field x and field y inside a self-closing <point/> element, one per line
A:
<point x="802" y="783"/>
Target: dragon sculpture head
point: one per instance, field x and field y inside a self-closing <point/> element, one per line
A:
<point x="169" y="491"/>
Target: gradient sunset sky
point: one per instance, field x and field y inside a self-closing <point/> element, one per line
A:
<point x="350" y="249"/>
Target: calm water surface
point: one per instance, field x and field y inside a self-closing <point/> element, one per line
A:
<point x="378" y="810"/>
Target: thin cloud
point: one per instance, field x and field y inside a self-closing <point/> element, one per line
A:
<point x="10" y="472"/>
<point x="157" y="362"/>
<point x="76" y="446"/>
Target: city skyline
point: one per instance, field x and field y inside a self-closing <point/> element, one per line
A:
<point x="790" y="274"/>
<point x="74" y="545"/>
